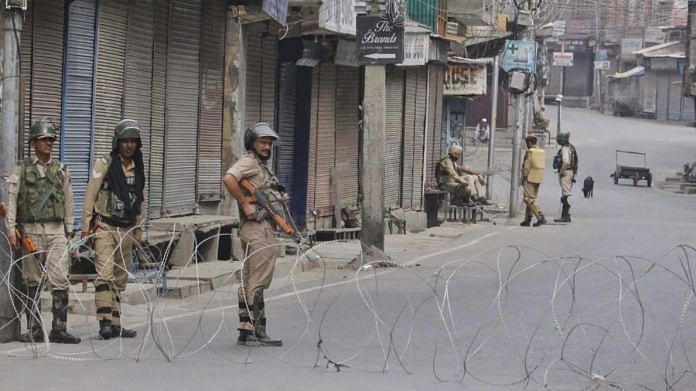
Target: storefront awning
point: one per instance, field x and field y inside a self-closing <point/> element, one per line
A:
<point x="635" y="72"/>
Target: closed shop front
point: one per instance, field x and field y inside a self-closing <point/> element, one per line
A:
<point x="260" y="90"/>
<point x="433" y="143"/>
<point x="347" y="117"/>
<point x="212" y="86"/>
<point x="112" y="28"/>
<point x="322" y="138"/>
<point x="78" y="96"/>
<point x="662" y="101"/>
<point x="415" y="99"/>
<point x="182" y="108"/>
<point x="393" y="137"/>
<point x="578" y="78"/>
<point x="285" y="152"/>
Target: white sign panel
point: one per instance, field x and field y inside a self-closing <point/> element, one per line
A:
<point x="338" y="16"/>
<point x="630" y="45"/>
<point x="601" y="65"/>
<point x="465" y="79"/>
<point x="559" y="27"/>
<point x="276" y="9"/>
<point x="563" y="59"/>
<point x="416" y="49"/>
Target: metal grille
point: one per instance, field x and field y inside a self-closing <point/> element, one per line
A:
<point x="25" y="71"/>
<point x="137" y="99"/>
<point x="78" y="97"/>
<point x="313" y="134"/>
<point x="286" y="126"/>
<point x="47" y="60"/>
<point x="407" y="177"/>
<point x="347" y="116"/>
<point x="393" y="134"/>
<point x="212" y="79"/>
<point x="261" y="54"/>
<point x="435" y="85"/>
<point x="419" y="137"/>
<point x="326" y="137"/>
<point x="183" y="86"/>
<point x="159" y="78"/>
<point x="112" y="23"/>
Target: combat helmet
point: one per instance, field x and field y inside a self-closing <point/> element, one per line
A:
<point x="260" y="129"/>
<point x="43" y="128"/>
<point x="563" y="137"/>
<point x="126" y="129"/>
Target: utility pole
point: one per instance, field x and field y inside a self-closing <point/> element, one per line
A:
<point x="372" y="157"/>
<point x="9" y="323"/>
<point x="516" y="157"/>
<point x="493" y="126"/>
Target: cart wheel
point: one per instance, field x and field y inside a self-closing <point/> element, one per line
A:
<point x="616" y="178"/>
<point x="635" y="181"/>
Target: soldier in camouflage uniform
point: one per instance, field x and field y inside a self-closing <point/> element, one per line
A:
<point x="41" y="201"/>
<point x="114" y="214"/>
<point x="258" y="237"/>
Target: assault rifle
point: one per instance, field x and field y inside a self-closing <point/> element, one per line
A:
<point x="267" y="210"/>
<point x="20" y="234"/>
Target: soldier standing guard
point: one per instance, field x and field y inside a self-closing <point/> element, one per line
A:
<point x="258" y="237"/>
<point x="114" y="213"/>
<point x="566" y="162"/>
<point x="532" y="177"/>
<point x="41" y="201"/>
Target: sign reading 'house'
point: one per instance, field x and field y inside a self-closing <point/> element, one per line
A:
<point x="379" y="41"/>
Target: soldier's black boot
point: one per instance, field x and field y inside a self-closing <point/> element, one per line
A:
<point x="105" y="331"/>
<point x="118" y="331"/>
<point x="527" y="219"/>
<point x="33" y="313"/>
<point x="565" y="211"/>
<point x="540" y="221"/>
<point x="59" y="309"/>
<point x="260" y="322"/>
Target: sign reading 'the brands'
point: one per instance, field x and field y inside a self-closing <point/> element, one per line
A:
<point x="379" y="41"/>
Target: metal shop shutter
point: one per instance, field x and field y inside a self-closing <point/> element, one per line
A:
<point x="313" y="139"/>
<point x="326" y="138"/>
<point x="419" y="137"/>
<point x="137" y="99"/>
<point x="662" y="95"/>
<point x="393" y="136"/>
<point x="347" y="117"/>
<point x="157" y="122"/>
<point x="286" y="126"/>
<point x="261" y="57"/>
<point x="47" y="59"/>
<point x="407" y="179"/>
<point x="212" y="90"/>
<point x="25" y="78"/>
<point x="78" y="93"/>
<point x="112" y="25"/>
<point x="675" y="98"/>
<point x="183" y="86"/>
<point x="434" y="126"/>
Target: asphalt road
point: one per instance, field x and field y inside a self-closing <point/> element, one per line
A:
<point x="602" y="303"/>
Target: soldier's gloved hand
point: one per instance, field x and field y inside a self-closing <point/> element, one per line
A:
<point x="285" y="197"/>
<point x="14" y="243"/>
<point x="249" y="211"/>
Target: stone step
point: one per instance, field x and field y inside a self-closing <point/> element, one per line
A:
<point x="82" y="303"/>
<point x="685" y="186"/>
<point x="673" y="179"/>
<point x="181" y="289"/>
<point x="217" y="273"/>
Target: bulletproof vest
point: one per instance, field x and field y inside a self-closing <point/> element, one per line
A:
<point x="116" y="208"/>
<point x="41" y="200"/>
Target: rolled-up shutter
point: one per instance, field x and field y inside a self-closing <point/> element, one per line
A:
<point x="393" y="136"/>
<point x="212" y="86"/>
<point x="410" y="95"/>
<point x="47" y="59"/>
<point x="286" y="126"/>
<point x="137" y="95"/>
<point x="157" y="124"/>
<point x="112" y="25"/>
<point x="26" y="58"/>
<point x="78" y="93"/>
<point x="183" y="86"/>
<point x="313" y="139"/>
<point x="347" y="117"/>
<point x="434" y="126"/>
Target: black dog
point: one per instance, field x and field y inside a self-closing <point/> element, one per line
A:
<point x="588" y="187"/>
